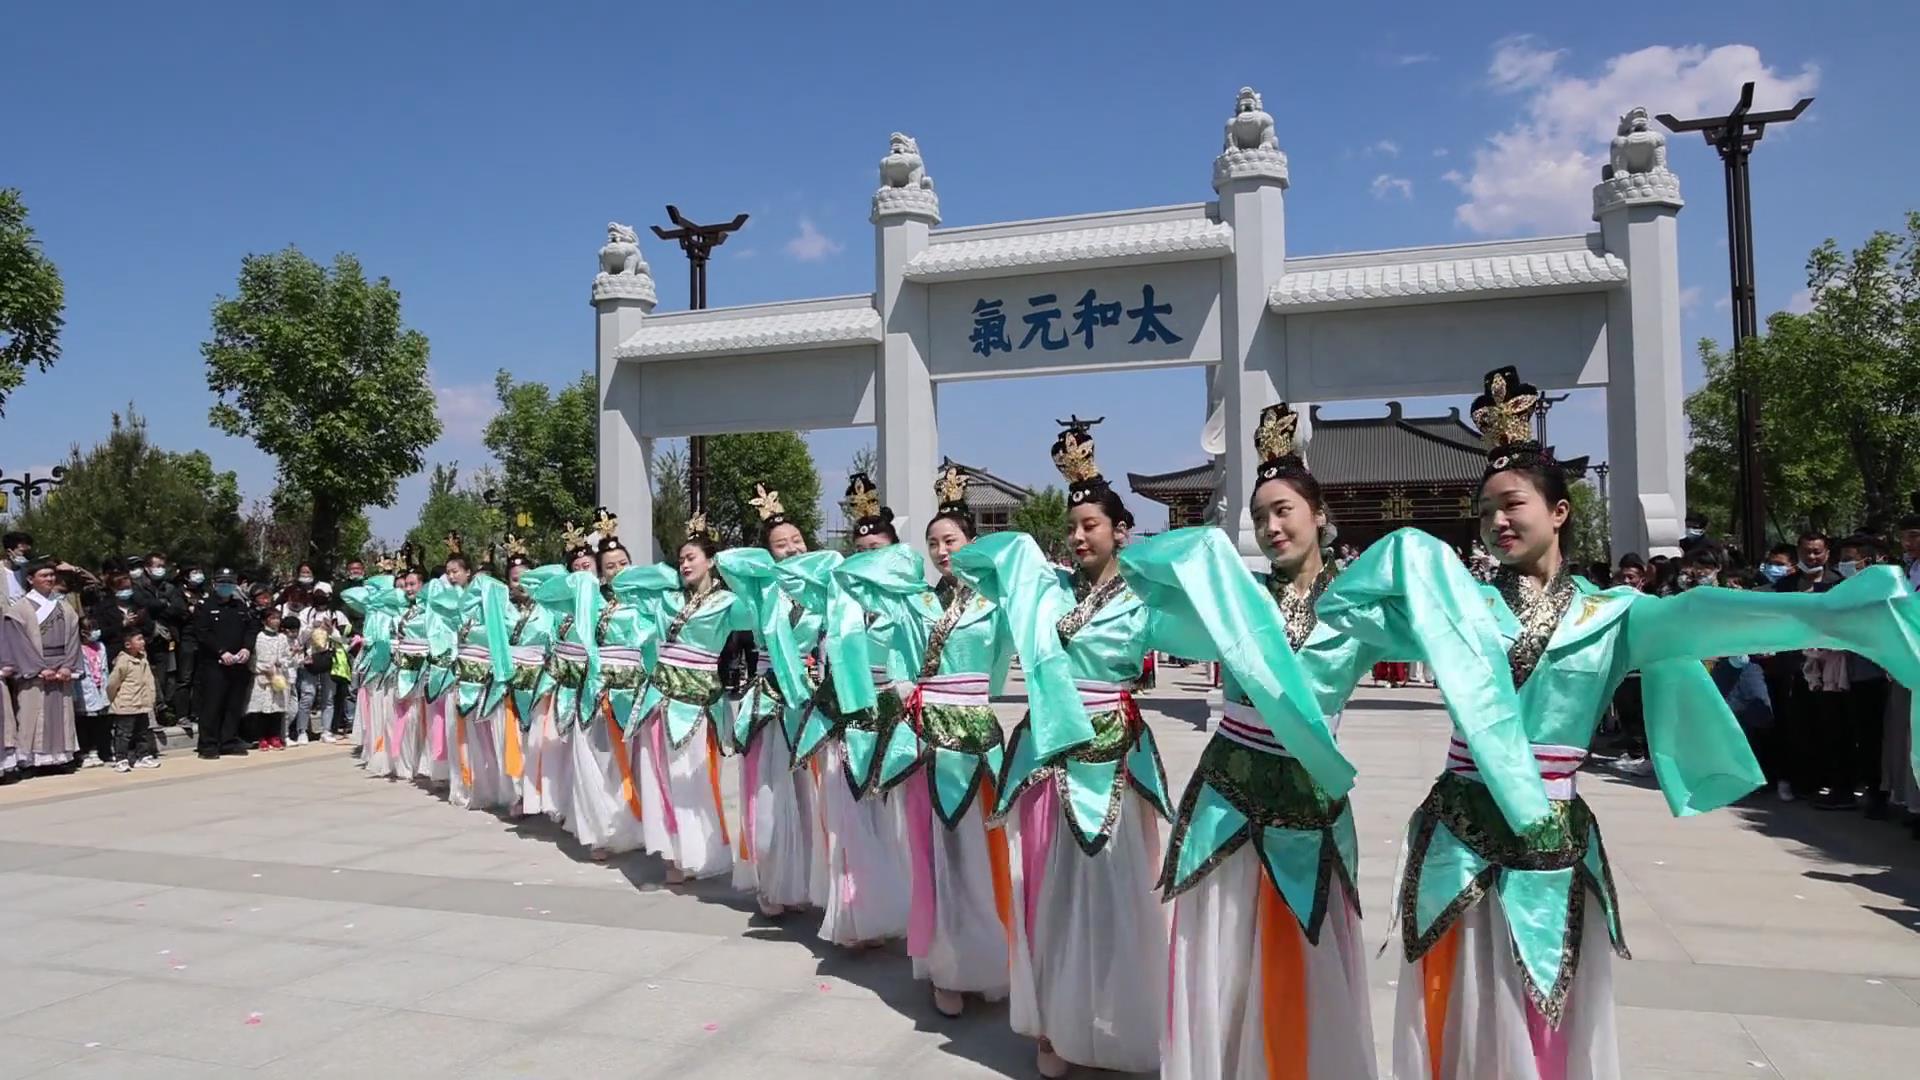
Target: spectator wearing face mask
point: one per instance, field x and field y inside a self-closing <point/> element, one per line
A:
<point x="1696" y="532"/>
<point x="93" y="723"/>
<point x="19" y="552"/>
<point x="1796" y="706"/>
<point x="1851" y="738"/>
<point x="165" y="603"/>
<point x="186" y="653"/>
<point x="120" y="612"/>
<point x="223" y="631"/>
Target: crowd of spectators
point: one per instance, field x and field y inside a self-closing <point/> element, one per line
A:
<point x="238" y="661"/>
<point x="1829" y="728"/>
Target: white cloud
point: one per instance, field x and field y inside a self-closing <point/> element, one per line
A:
<point x="1410" y="59"/>
<point x="1690" y="298"/>
<point x="1539" y="173"/>
<point x="1440" y="151"/>
<point x="464" y="408"/>
<point x="1384" y="148"/>
<point x="812" y="245"/>
<point x="1385" y="186"/>
<point x="1800" y="302"/>
<point x="1454" y="177"/>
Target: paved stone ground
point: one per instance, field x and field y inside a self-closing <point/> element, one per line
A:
<point x="284" y="916"/>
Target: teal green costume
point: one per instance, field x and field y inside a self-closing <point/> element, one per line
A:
<point x="786" y="633"/>
<point x="685" y="694"/>
<point x="1527" y="665"/>
<point x="573" y="601"/>
<point x="532" y="626"/>
<point x="847" y="706"/>
<point x="483" y="621"/>
<point x="1243" y="791"/>
<point x="410" y="624"/>
<point x="949" y="631"/>
<point x="624" y="621"/>
<point x="1068" y="631"/>
<point x="379" y="605"/>
<point x="444" y="602"/>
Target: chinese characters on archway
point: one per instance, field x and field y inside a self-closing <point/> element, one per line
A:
<point x="1052" y="325"/>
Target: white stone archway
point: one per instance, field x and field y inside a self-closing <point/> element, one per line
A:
<point x="1204" y="284"/>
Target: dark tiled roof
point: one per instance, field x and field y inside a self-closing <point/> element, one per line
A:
<point x="986" y="491"/>
<point x="1390" y="449"/>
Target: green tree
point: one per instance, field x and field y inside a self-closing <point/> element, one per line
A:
<point x="670" y="503"/>
<point x="452" y="507"/>
<point x="1044" y="517"/>
<point x="126" y="496"/>
<point x="31" y="299"/>
<point x="778" y="459"/>
<point x="315" y="366"/>
<point x="1840" y="417"/>
<point x="546" y="446"/>
<point x="1587" y="539"/>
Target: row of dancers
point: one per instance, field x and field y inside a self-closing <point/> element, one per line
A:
<point x="876" y="785"/>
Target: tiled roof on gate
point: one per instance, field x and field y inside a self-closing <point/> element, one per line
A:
<point x="1482" y="277"/>
<point x="748" y="332"/>
<point x="1390" y="449"/>
<point x="1189" y="237"/>
<point x="987" y="491"/>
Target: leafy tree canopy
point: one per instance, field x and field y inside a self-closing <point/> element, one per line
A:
<point x="31" y="299"/>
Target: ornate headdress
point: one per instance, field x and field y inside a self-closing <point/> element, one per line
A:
<point x="574" y="540"/>
<point x="607" y="525"/>
<point x="409" y="557"/>
<point x="766" y="502"/>
<point x="951" y="492"/>
<point x="516" y="550"/>
<point x="1504" y="414"/>
<point x="863" y="505"/>
<point x="1073" y="456"/>
<point x="387" y="563"/>
<point x="697" y="527"/>
<point x="1273" y="440"/>
<point x="453" y="543"/>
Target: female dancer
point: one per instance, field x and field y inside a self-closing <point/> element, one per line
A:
<point x="379" y="603"/>
<point x="959" y="645"/>
<point x="779" y="843"/>
<point x="848" y="731"/>
<point x="410" y="651"/>
<point x="1268" y="964"/>
<point x="1506" y="878"/>
<point x="606" y="804"/>
<point x="529" y="697"/>
<point x="482" y="749"/>
<point x="678" y="723"/>
<point x="1083" y="781"/>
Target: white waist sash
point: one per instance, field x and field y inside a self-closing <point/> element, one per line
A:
<point x="688" y="656"/>
<point x="1243" y="724"/>
<point x="477" y="653"/>
<point x="1558" y="765"/>
<point x="966" y="688"/>
<point x="621" y="656"/>
<point x="409" y="647"/>
<point x="1099" y="697"/>
<point x="529" y="655"/>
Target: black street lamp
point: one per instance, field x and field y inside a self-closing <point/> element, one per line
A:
<point x="1733" y="136"/>
<point x="29" y="487"/>
<point x="698" y="242"/>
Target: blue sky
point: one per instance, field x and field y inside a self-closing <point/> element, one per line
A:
<point x="473" y="153"/>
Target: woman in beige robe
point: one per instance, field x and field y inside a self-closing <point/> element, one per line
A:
<point x="40" y="641"/>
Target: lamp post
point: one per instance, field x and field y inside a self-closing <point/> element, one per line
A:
<point x="1733" y="136"/>
<point x="1600" y="472"/>
<point x="29" y="487"/>
<point x="698" y="242"/>
<point x="1547" y="402"/>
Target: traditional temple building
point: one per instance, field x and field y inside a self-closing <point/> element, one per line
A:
<point x="1377" y="473"/>
<point x="991" y="498"/>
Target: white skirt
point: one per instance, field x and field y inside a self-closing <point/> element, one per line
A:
<point x="1225" y="971"/>
<point x="1491" y="1032"/>
<point x="436" y="749"/>
<point x="680" y="814"/>
<point x="955" y="931"/>
<point x="1089" y="957"/>
<point x="602" y="817"/>
<point x="479" y="779"/>
<point x="407" y="748"/>
<point x="373" y="729"/>
<point x="866" y="889"/>
<point x="546" y="776"/>
<point x="779" y="822"/>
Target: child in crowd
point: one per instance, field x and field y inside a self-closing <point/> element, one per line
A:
<point x="94" y="724"/>
<point x="130" y="691"/>
<point x="272" y="670"/>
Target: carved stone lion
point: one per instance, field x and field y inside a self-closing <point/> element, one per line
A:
<point x="1636" y="147"/>
<point x="1251" y="128"/>
<point x="621" y="255"/>
<point x="902" y="167"/>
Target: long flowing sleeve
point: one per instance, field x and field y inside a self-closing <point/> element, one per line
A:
<point x="1009" y="569"/>
<point x="577" y="594"/>
<point x="1198" y="590"/>
<point x="1700" y="756"/>
<point x="1409" y="596"/>
<point x="496" y="623"/>
<point x="1873" y="613"/>
<point x="882" y="581"/>
<point x="808" y="579"/>
<point x="749" y="572"/>
<point x="1333" y="664"/>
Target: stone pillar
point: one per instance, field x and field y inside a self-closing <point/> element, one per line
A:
<point x="623" y="295"/>
<point x="907" y="432"/>
<point x="1250" y="176"/>
<point x="1636" y="203"/>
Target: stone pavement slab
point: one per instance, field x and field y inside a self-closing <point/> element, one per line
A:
<point x="286" y="916"/>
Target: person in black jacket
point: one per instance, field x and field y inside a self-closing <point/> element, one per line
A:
<point x="223" y="633"/>
<point x="119" y="613"/>
<point x="166" y="605"/>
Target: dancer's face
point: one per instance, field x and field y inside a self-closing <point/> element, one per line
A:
<point x="785" y="541"/>
<point x="1286" y="525"/>
<point x="1093" y="537"/>
<point x="943" y="539"/>
<point x="1517" y="523"/>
